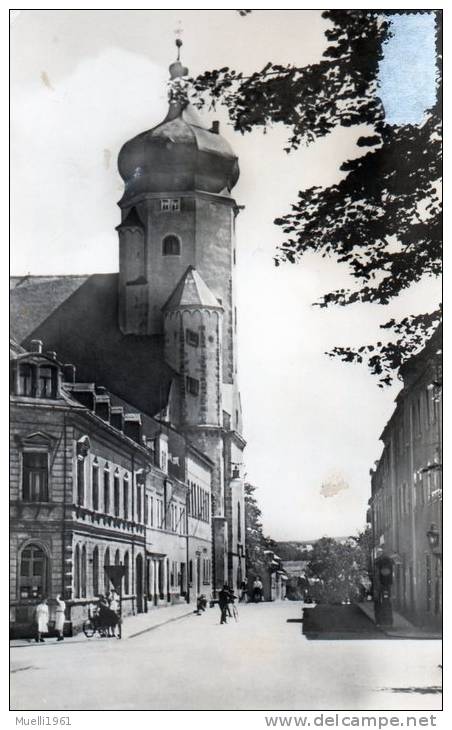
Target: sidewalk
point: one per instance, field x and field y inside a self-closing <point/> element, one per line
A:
<point x="401" y="628"/>
<point x="132" y="625"/>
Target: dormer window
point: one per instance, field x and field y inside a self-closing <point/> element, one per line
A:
<point x="25" y="379"/>
<point x="171" y="246"/>
<point x="35" y="379"/>
<point x="45" y="389"/>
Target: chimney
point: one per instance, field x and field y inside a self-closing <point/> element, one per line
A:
<point x="215" y="127"/>
<point x="102" y="407"/>
<point x="69" y="372"/>
<point x="132" y="426"/>
<point x="36" y="345"/>
<point x="117" y="417"/>
<point x="51" y="354"/>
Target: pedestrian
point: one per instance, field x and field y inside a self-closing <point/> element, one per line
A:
<point x="242" y="591"/>
<point x="201" y="604"/>
<point x="113" y="601"/>
<point x="257" y="589"/>
<point x="223" y="600"/>
<point x="60" y="617"/>
<point x="41" y="619"/>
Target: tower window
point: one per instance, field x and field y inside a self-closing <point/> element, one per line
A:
<point x="170" y="204"/>
<point x="192" y="338"/>
<point x="192" y="385"/>
<point x="171" y="246"/>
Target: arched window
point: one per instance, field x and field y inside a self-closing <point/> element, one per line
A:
<point x="77" y="572"/>
<point x="106" y="490"/>
<point x="33" y="572"/>
<point x="106" y="565"/>
<point x="95" y="485"/>
<point x="125" y="494"/>
<point x="126" y="573"/>
<point x="171" y="246"/>
<point x="96" y="571"/>
<point x="116" y="493"/>
<point x="83" y="572"/>
<point x="80" y="480"/>
<point x="239" y="523"/>
<point x="117" y="558"/>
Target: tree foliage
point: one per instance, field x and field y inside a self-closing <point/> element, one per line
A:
<point x="256" y="542"/>
<point x="383" y="219"/>
<point x="338" y="571"/>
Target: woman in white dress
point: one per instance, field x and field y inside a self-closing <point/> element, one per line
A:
<point x="60" y="617"/>
<point x="41" y="619"/>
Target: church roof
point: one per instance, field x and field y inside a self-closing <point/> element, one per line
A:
<point x="191" y="291"/>
<point x="77" y="318"/>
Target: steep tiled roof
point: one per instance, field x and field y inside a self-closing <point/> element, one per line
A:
<point x="34" y="298"/>
<point x="77" y="318"/>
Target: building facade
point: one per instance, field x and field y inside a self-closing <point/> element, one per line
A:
<point x="405" y="509"/>
<point x="162" y="333"/>
<point x="94" y="484"/>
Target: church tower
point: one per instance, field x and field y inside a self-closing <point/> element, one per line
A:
<point x="177" y="283"/>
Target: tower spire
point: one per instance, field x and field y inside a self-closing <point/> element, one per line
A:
<point x="176" y="69"/>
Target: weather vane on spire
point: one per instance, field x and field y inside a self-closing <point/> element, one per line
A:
<point x="177" y="70"/>
<point x="178" y="33"/>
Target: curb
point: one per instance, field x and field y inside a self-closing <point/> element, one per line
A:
<point x="400" y="633"/>
<point x="157" y="626"/>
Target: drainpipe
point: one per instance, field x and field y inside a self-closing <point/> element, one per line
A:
<point x="63" y="531"/>
<point x="133" y="535"/>
<point x="187" y="595"/>
<point x="214" y="567"/>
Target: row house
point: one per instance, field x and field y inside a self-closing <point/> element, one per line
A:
<point x="94" y="484"/>
<point x="405" y="508"/>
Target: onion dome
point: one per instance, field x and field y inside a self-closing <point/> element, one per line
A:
<point x="178" y="154"/>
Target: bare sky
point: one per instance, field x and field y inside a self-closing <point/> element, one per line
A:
<point x="83" y="82"/>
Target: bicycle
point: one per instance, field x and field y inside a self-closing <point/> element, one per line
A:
<point x="93" y="626"/>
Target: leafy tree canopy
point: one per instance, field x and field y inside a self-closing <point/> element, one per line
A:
<point x="383" y="219"/>
<point x="338" y="570"/>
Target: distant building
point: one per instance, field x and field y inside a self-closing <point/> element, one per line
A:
<point x="405" y="509"/>
<point x="273" y="577"/>
<point x="95" y="483"/>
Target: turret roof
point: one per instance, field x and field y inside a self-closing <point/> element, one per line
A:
<point x="191" y="291"/>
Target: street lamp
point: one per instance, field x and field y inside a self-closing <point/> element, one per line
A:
<point x="433" y="537"/>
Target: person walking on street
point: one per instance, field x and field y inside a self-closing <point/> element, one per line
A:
<point x="60" y="617"/>
<point x="223" y="600"/>
<point x="242" y="591"/>
<point x="257" y="590"/>
<point x="41" y="619"/>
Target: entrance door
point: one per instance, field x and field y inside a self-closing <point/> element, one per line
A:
<point x="139" y="583"/>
